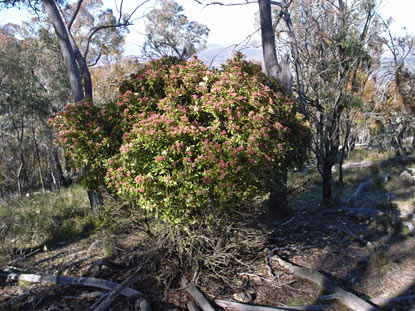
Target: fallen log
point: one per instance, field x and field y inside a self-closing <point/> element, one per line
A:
<point x="92" y="282"/>
<point x="116" y="291"/>
<point x="347" y="298"/>
<point x="197" y="295"/>
<point x="237" y="306"/>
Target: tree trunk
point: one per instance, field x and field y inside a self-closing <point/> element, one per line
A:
<point x="66" y="48"/>
<point x="61" y="177"/>
<point x="267" y="36"/>
<point x="277" y="205"/>
<point x="327" y="184"/>
<point x="96" y="201"/>
<point x="37" y="155"/>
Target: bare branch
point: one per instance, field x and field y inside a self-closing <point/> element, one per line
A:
<point x="74" y="14"/>
<point x="280" y="4"/>
<point x="96" y="60"/>
<point x="125" y="23"/>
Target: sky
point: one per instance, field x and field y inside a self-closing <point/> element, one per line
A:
<point x="228" y="25"/>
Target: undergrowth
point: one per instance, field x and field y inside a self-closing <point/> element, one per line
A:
<point x="206" y="252"/>
<point x="43" y="220"/>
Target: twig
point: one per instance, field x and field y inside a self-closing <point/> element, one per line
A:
<point x="288" y="221"/>
<point x="46" y="259"/>
<point x="38" y="302"/>
<point x="24" y="257"/>
<point x="66" y="267"/>
<point x="362" y="241"/>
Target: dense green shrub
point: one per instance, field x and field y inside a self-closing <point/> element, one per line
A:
<point x="182" y="140"/>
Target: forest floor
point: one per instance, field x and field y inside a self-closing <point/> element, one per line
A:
<point x="369" y="255"/>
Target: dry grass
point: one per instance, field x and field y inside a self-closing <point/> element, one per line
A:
<point x="43" y="220"/>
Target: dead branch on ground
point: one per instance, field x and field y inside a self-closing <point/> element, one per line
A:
<point x="83" y="281"/>
<point x="237" y="306"/>
<point x="347" y="298"/>
<point x="197" y="295"/>
<point x="116" y="291"/>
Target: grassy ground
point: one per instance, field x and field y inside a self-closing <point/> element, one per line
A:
<point x="42" y="221"/>
<point x="236" y="258"/>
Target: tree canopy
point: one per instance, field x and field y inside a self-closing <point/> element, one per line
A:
<point x="170" y="33"/>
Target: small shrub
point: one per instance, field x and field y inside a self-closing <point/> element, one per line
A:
<point x="183" y="141"/>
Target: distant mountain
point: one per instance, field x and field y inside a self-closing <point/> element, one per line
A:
<point x="215" y="54"/>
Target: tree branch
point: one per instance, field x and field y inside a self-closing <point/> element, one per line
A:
<point x="96" y="60"/>
<point x="117" y="25"/>
<point x="74" y="14"/>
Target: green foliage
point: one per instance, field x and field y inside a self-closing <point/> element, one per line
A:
<point x="184" y="141"/>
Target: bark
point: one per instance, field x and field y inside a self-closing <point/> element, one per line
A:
<point x="267" y="36"/>
<point x="277" y="205"/>
<point x="66" y="48"/>
<point x="83" y="66"/>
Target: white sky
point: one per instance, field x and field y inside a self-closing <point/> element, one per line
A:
<point x="229" y="25"/>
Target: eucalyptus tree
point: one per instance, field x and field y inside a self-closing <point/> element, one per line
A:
<point x="63" y="17"/>
<point x="331" y="43"/>
<point x="169" y="32"/>
<point x="23" y="102"/>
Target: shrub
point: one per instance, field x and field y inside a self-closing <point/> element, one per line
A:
<point x="183" y="141"/>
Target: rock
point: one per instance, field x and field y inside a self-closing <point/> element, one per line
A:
<point x="242" y="297"/>
<point x="406" y="178"/>
<point x="385" y="177"/>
